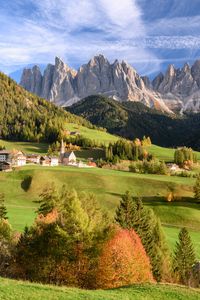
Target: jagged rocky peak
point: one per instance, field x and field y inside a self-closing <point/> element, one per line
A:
<point x="147" y="81"/>
<point x="186" y="68"/>
<point x="171" y="71"/>
<point x="195" y="71"/>
<point x="157" y="81"/>
<point x="31" y="79"/>
<point x="63" y="67"/>
<point x="119" y="80"/>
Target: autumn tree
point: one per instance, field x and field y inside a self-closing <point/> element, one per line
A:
<point x="123" y="261"/>
<point x="184" y="257"/>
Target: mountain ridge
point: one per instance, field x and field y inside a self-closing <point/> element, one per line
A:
<point x="65" y="86"/>
<point x="134" y="119"/>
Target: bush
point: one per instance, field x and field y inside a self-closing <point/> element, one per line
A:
<point x="149" y="167"/>
<point x="26" y="183"/>
<point x="123" y="261"/>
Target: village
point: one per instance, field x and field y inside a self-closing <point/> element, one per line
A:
<point x="10" y="159"/>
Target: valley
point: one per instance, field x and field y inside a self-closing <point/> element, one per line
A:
<point x="108" y="186"/>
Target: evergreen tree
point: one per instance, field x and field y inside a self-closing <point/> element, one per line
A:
<point x="3" y="210"/>
<point x="49" y="199"/>
<point x="125" y="211"/>
<point x="132" y="214"/>
<point x="184" y="257"/>
<point x="197" y="189"/>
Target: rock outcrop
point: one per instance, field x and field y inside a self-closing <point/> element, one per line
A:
<point x="180" y="88"/>
<point x="65" y="86"/>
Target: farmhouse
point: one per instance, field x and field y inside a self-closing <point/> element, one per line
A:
<point x="33" y="158"/>
<point x="49" y="161"/>
<point x="18" y="158"/>
<point x="53" y="161"/>
<point x="5" y="156"/>
<point x="45" y="161"/>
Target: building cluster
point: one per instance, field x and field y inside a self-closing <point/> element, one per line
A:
<point x="14" y="158"/>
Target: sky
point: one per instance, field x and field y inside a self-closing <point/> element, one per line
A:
<point x="148" y="34"/>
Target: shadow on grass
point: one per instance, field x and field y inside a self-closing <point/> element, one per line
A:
<point x="161" y="200"/>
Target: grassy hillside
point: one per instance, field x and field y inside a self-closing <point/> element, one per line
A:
<point x="26" y="147"/>
<point x="131" y="119"/>
<point x="14" y="290"/>
<point x="96" y="135"/>
<point x="108" y="186"/>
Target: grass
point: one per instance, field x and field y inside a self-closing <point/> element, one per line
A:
<point x="27" y="147"/>
<point x="96" y="135"/>
<point x="14" y="290"/>
<point x="108" y="186"/>
<point x="166" y="154"/>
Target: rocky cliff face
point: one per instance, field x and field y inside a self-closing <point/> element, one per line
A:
<point x="65" y="86"/>
<point x="176" y="90"/>
<point x="180" y="88"/>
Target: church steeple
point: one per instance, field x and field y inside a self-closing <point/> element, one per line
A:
<point x="62" y="150"/>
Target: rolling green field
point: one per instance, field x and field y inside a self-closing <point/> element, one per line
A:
<point x="14" y="290"/>
<point x="26" y="147"/>
<point x="96" y="135"/>
<point x="108" y="186"/>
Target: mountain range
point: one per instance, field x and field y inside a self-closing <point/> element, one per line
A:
<point x="178" y="90"/>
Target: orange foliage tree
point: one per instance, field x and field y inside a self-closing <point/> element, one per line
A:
<point x="123" y="261"/>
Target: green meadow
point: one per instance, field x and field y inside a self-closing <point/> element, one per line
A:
<point x="14" y="290"/>
<point x="108" y="186"/>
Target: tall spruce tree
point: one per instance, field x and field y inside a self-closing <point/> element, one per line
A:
<point x="132" y="214"/>
<point x="49" y="199"/>
<point x="3" y="210"/>
<point x="197" y="189"/>
<point x="125" y="211"/>
<point x="184" y="257"/>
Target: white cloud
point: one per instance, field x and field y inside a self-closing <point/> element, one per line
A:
<point x="75" y="30"/>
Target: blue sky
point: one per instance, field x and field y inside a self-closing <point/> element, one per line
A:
<point x="149" y="34"/>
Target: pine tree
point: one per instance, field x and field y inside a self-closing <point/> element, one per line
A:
<point x="49" y="199"/>
<point x="3" y="210"/>
<point x="124" y="213"/>
<point x="197" y="189"/>
<point x="184" y="257"/>
<point x="132" y="214"/>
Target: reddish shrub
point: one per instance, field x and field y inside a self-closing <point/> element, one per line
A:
<point x="123" y="261"/>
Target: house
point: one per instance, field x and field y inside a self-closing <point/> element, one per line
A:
<point x="5" y="166"/>
<point x="18" y="158"/>
<point x="69" y="158"/>
<point x="45" y="161"/>
<point x="49" y="161"/>
<point x="53" y="161"/>
<point x="33" y="158"/>
<point x="92" y="164"/>
<point x="74" y="133"/>
<point x="173" y="167"/>
<point x="5" y="156"/>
